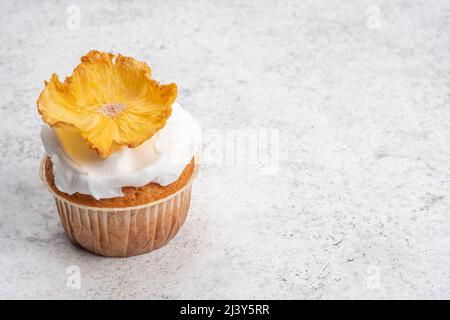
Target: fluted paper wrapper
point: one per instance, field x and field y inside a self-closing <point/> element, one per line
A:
<point x="123" y="232"/>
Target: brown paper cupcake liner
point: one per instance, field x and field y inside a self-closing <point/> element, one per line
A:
<point x="123" y="232"/>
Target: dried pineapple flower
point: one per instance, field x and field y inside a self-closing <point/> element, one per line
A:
<point x="110" y="102"/>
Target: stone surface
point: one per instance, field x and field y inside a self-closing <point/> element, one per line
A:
<point x="358" y="204"/>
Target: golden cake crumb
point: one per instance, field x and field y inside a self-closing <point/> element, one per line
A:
<point x="133" y="196"/>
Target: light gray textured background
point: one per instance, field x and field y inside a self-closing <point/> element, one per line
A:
<point x="360" y="205"/>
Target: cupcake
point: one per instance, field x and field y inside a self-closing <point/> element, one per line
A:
<point x="120" y="155"/>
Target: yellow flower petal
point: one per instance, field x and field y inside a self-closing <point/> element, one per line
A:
<point x="111" y="102"/>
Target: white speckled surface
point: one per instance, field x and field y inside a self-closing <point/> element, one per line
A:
<point x="360" y="207"/>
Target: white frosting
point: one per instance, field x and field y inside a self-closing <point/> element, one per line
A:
<point x="161" y="159"/>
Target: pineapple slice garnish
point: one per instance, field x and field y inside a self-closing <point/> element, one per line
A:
<point x="109" y="101"/>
